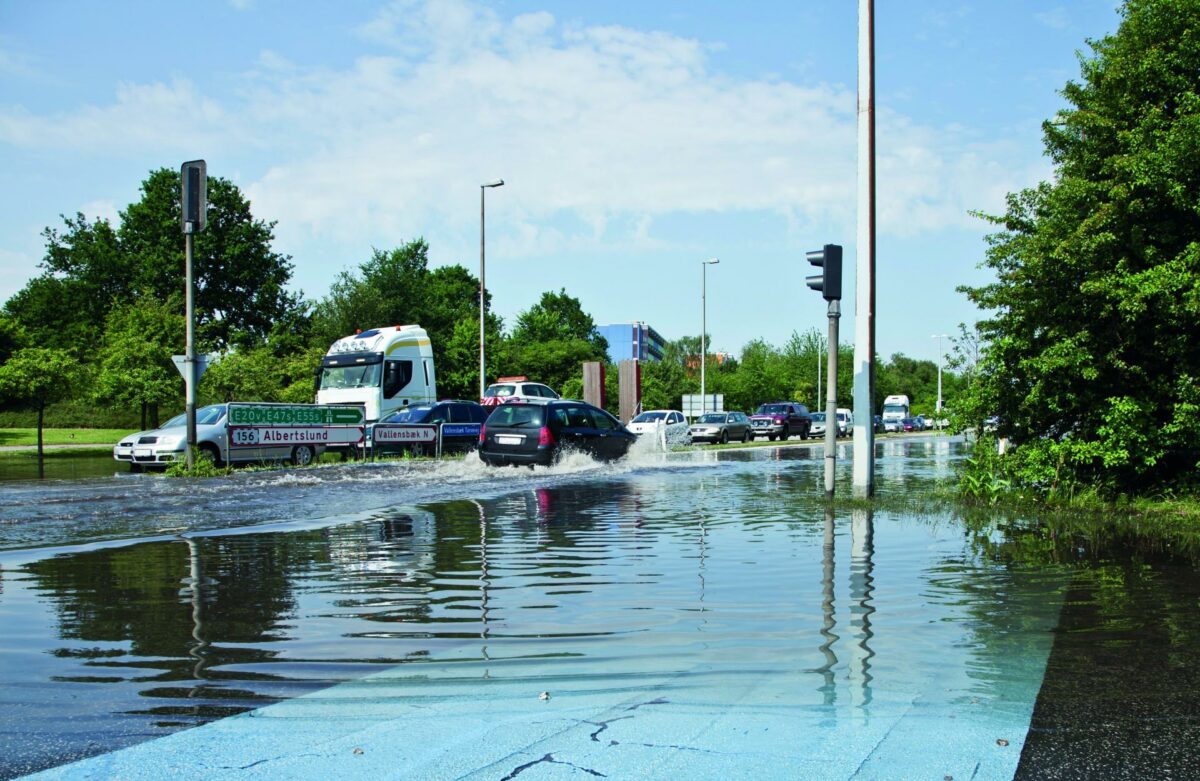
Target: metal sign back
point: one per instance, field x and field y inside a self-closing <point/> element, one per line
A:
<point x="193" y="196"/>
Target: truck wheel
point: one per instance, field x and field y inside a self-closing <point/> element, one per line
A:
<point x="783" y="435"/>
<point x="302" y="455"/>
<point x="210" y="450"/>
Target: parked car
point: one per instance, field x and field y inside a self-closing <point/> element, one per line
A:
<point x="450" y="411"/>
<point x="781" y="419"/>
<point x="508" y="389"/>
<point x="817" y="428"/>
<point x="673" y="421"/>
<point x="879" y="427"/>
<point x="920" y="423"/>
<point x="893" y="425"/>
<point x="908" y="424"/>
<point x="532" y="434"/>
<point x="157" y="448"/>
<point x="721" y="427"/>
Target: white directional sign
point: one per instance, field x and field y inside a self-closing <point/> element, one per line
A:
<point x="404" y="433"/>
<point x="261" y="436"/>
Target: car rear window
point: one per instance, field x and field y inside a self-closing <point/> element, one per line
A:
<point x="408" y="415"/>
<point x="517" y="416"/>
<point x="499" y="391"/>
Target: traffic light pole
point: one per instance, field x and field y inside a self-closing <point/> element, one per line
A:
<point x="189" y="350"/>
<point x="835" y="313"/>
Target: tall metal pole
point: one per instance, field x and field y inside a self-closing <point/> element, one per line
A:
<point x="704" y="327"/>
<point x="835" y="312"/>
<point x="482" y="299"/>
<point x="818" y="404"/>
<point x="864" y="301"/>
<point x="483" y="288"/>
<point x="189" y="349"/>
<point x="941" y="358"/>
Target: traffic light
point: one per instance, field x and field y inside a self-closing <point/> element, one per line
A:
<point x="829" y="282"/>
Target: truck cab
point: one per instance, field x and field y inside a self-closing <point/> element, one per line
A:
<point x="381" y="369"/>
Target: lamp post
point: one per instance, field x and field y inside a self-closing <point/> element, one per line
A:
<point x="939" y="337"/>
<point x="704" y="326"/>
<point x="482" y="300"/>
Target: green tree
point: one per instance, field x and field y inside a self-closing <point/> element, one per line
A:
<point x="39" y="376"/>
<point x="136" y="370"/>
<point x="240" y="281"/>
<point x="552" y="340"/>
<point x="1090" y="356"/>
<point x="398" y="288"/>
<point x="83" y="273"/>
<point x="90" y="268"/>
<point x="12" y="337"/>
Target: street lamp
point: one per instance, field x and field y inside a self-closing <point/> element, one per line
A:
<point x="940" y="337"/>
<point x="704" y="326"/>
<point x="482" y="300"/>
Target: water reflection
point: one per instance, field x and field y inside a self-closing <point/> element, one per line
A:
<point x="687" y="586"/>
<point x="828" y="612"/>
<point x="862" y="586"/>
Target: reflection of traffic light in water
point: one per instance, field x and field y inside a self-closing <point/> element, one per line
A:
<point x="828" y="684"/>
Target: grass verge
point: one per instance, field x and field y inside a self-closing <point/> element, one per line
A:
<point x="62" y="436"/>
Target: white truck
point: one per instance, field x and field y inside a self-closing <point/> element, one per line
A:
<point x="381" y="369"/>
<point x="896" y="408"/>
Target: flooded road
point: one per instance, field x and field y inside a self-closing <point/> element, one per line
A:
<point x="698" y="615"/>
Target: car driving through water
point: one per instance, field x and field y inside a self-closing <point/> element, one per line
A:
<point x="538" y="434"/>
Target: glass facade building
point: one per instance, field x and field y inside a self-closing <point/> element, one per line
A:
<point x="632" y="340"/>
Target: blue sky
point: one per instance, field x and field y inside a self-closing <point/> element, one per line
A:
<point x="636" y="140"/>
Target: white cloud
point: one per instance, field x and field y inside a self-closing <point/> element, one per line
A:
<point x="599" y="132"/>
<point x="1056" y="18"/>
<point x="102" y="209"/>
<point x="153" y="116"/>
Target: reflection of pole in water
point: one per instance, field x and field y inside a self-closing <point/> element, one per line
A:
<point x="483" y="581"/>
<point x="828" y="687"/>
<point x="196" y="580"/>
<point x="862" y="587"/>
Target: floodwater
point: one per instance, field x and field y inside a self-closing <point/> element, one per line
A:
<point x="699" y="615"/>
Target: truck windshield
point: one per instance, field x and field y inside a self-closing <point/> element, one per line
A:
<point x="895" y="409"/>
<point x="353" y="376"/>
<point x="772" y="409"/>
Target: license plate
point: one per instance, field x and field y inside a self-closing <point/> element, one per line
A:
<point x="141" y="452"/>
<point x="506" y="439"/>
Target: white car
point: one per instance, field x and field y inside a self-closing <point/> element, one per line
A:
<point x="672" y="420"/>
<point x="516" y="389"/>
<point x="160" y="447"/>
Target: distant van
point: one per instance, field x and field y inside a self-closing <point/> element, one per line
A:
<point x="845" y="422"/>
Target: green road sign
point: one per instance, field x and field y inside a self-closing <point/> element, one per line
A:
<point x="241" y="414"/>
